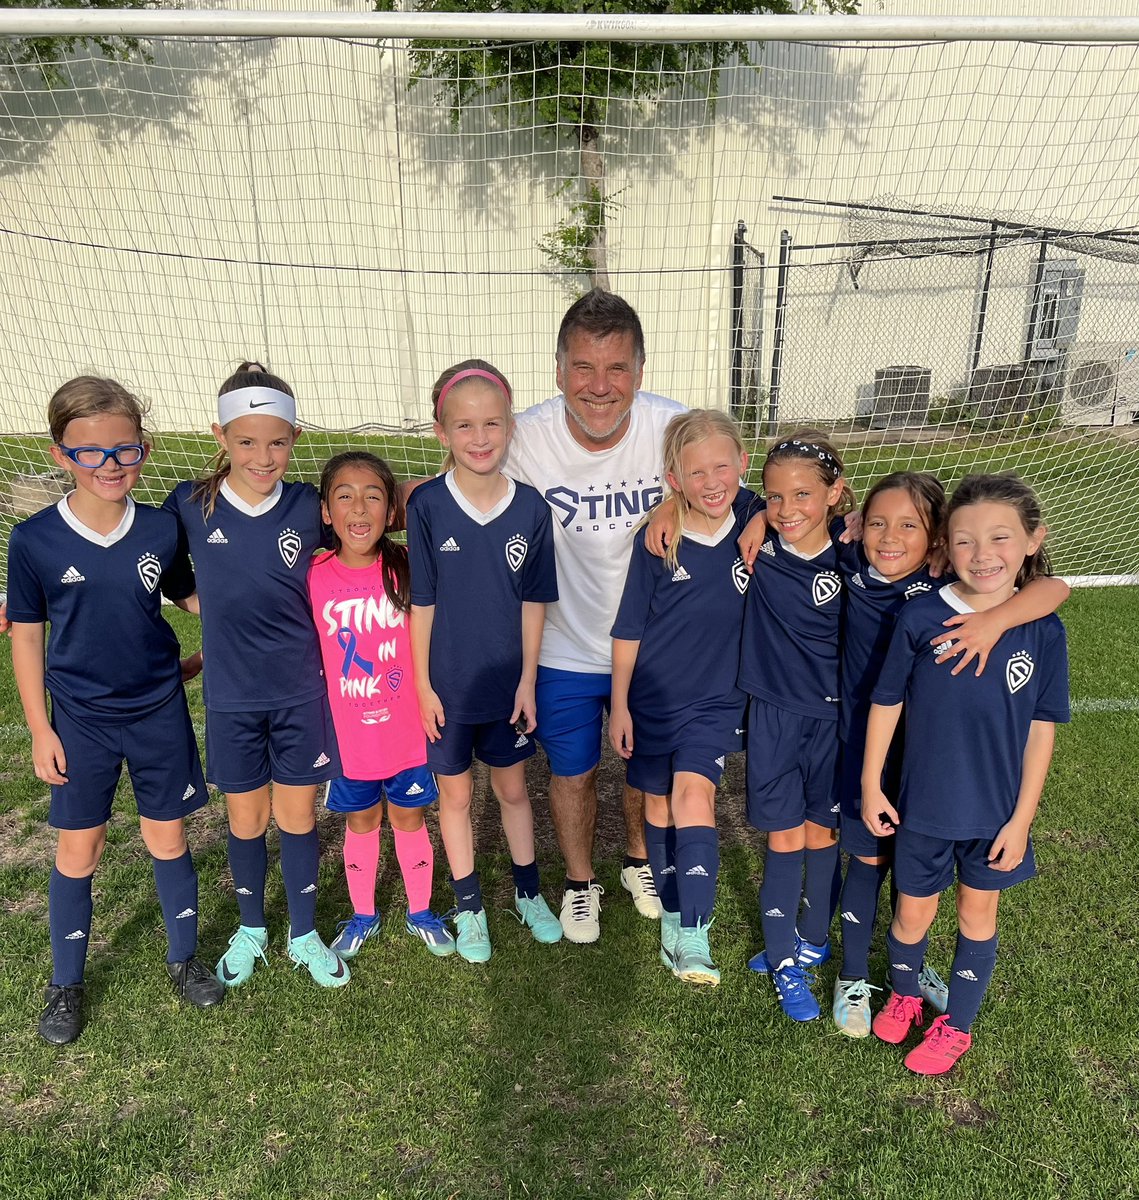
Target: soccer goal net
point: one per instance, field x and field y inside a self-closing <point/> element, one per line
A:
<point x="928" y="248"/>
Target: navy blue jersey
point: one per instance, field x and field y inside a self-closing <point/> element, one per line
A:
<point x="688" y="620"/>
<point x="111" y="656"/>
<point x="789" y="655"/>
<point x="965" y="735"/>
<point x="871" y="604"/>
<point x="258" y="639"/>
<point x="478" y="569"/>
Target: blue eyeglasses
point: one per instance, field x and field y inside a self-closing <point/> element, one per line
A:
<point x="93" y="457"/>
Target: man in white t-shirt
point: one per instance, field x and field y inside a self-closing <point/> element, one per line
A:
<point x="595" y="453"/>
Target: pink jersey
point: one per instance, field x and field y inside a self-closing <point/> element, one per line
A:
<point x="366" y="646"/>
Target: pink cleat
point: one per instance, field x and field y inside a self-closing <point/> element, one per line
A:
<point x="941" y="1047"/>
<point x="897" y="1018"/>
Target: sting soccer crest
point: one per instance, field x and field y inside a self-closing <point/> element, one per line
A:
<point x="740" y="577"/>
<point x="289" y="544"/>
<point x="149" y="569"/>
<point x="825" y="587"/>
<point x="1018" y="670"/>
<point x="516" y="548"/>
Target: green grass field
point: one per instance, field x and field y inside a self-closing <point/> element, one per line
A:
<point x="581" y="1071"/>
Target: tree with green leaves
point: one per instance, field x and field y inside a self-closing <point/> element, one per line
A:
<point x="571" y="84"/>
<point x="44" y="54"/>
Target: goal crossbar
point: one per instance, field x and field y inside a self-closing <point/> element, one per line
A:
<point x="38" y="22"/>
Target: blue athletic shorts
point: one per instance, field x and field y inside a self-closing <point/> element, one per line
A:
<point x="653" y="773"/>
<point x="493" y="742"/>
<point x="161" y="756"/>
<point x="791" y="769"/>
<point x="854" y="837"/>
<point x="571" y="707"/>
<point x="295" y="746"/>
<point x="410" y="788"/>
<point x="925" y="866"/>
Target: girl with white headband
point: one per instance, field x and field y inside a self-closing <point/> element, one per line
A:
<point x="482" y="572"/>
<point x="251" y="536"/>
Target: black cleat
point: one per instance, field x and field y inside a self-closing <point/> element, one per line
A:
<point x="195" y="984"/>
<point x="61" y="1021"/>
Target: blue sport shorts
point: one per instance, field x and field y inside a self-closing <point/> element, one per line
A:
<point x="791" y="769"/>
<point x="571" y="707"/>
<point x="413" y="787"/>
<point x="495" y="743"/>
<point x="925" y="866"/>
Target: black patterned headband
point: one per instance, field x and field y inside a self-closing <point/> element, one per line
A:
<point x="810" y="450"/>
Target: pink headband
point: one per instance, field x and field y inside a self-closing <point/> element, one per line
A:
<point x="470" y="373"/>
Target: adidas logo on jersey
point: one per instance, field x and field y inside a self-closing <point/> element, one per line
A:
<point x="720" y="762"/>
<point x="774" y="912"/>
<point x="71" y="575"/>
<point x="768" y="548"/>
<point x="856" y="579"/>
<point x="305" y="891"/>
<point x="415" y="790"/>
<point x="449" y="544"/>
<point x="680" y="575"/>
<point x="966" y="974"/>
<point x="322" y="761"/>
<point x="190" y="790"/>
<point x="836" y="808"/>
<point x="917" y="589"/>
<point x="217" y="538"/>
<point x="186" y="912"/>
<point x="523" y="740"/>
<point x="849" y="916"/>
<point x="697" y="870"/>
<point x="77" y="936"/>
<point x="1018" y="670"/>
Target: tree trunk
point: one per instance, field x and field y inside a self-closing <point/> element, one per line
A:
<point x="592" y="171"/>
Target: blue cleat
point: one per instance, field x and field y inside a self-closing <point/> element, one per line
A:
<point x="807" y="955"/>
<point x="793" y="987"/>
<point x="431" y="930"/>
<point x="353" y="933"/>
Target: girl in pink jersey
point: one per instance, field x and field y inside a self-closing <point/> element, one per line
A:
<point x="360" y="602"/>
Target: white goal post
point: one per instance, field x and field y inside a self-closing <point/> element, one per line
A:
<point x="916" y="232"/>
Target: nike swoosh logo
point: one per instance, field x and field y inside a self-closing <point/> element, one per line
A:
<point x="339" y="972"/>
<point x="259" y="403"/>
<point x="226" y="973"/>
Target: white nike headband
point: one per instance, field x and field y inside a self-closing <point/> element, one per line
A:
<point x="248" y="401"/>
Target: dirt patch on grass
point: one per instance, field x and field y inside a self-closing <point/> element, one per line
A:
<point x="24" y="843"/>
<point x="963" y="1111"/>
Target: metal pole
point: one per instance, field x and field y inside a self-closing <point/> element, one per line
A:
<point x="777" y="340"/>
<point x="1037" y="285"/>
<point x="983" y="307"/>
<point x="735" y="385"/>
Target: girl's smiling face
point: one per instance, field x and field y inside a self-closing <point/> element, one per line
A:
<point x="109" y="482"/>
<point x="894" y="535"/>
<point x="987" y="547"/>
<point x="359" y="510"/>
<point x="709" y="476"/>
<point x="475" y="426"/>
<point x="259" y="449"/>
<point x="798" y="503"/>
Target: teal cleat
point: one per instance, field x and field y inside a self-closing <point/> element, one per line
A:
<point x="851" y="1008"/>
<point x="693" y="956"/>
<point x="245" y="947"/>
<point x="669" y="932"/>
<point x="535" y="915"/>
<point x="326" y="968"/>
<point x="473" y="942"/>
<point x="934" y="990"/>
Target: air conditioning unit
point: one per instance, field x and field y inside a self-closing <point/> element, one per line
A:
<point x="1102" y="384"/>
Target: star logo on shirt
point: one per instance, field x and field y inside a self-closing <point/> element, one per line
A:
<point x="740" y="577"/>
<point x="825" y="587"/>
<point x="1018" y="670"/>
<point x="516" y="548"/>
<point x="289" y="544"/>
<point x="149" y="570"/>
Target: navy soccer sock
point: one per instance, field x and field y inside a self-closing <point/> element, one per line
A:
<point x="300" y="862"/>
<point x="526" y="882"/>
<point x="905" y="964"/>
<point x="697" y="868"/>
<point x="822" y="879"/>
<point x="177" y="884"/>
<point x="973" y="965"/>
<point x="468" y="893"/>
<point x="248" y="864"/>
<point x="859" y="906"/>
<point x="779" y="896"/>
<point x="661" y="846"/>
<point x="69" y="919"/>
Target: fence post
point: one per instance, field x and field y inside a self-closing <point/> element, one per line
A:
<point x="983" y="307"/>
<point x="735" y="385"/>
<point x="777" y="339"/>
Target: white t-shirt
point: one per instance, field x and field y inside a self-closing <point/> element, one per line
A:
<point x="596" y="498"/>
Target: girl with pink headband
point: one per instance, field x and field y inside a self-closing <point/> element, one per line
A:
<point x="482" y="573"/>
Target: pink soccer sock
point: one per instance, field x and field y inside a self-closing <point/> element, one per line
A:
<point x="416" y="865"/>
<point x="361" y="864"/>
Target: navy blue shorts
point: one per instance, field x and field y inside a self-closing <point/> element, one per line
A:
<point x="926" y="866"/>
<point x="791" y="769"/>
<point x="295" y="746"/>
<point x="493" y="742"/>
<point x="653" y="773"/>
<point x="162" y="760"/>
<point x="411" y="788"/>
<point x="854" y="837"/>
<point x="571" y="707"/>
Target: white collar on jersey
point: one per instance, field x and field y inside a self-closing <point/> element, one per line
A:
<point x="480" y="518"/>
<point x="877" y="575"/>
<point x="954" y="600"/>
<point x="252" y="510"/>
<point x="117" y="534"/>
<point x="717" y="536"/>
<point x="799" y="553"/>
